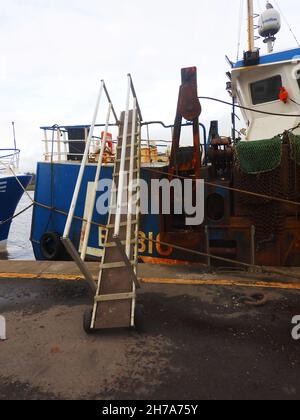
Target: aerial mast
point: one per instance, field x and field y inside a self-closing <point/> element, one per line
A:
<point x="14" y="134"/>
<point x="251" y="45"/>
<point x="269" y="25"/>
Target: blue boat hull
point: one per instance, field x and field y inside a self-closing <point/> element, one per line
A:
<point x="10" y="195"/>
<point x="55" y="185"/>
<point x="54" y="189"/>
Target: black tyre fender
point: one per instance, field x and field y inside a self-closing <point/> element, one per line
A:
<point x="87" y="320"/>
<point x="51" y="246"/>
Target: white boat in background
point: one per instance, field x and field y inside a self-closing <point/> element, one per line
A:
<point x="12" y="185"/>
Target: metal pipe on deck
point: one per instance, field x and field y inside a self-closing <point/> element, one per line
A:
<point x="82" y="167"/>
<point x="95" y="187"/>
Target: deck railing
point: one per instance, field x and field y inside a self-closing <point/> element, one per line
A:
<point x="9" y="161"/>
<point x="59" y="147"/>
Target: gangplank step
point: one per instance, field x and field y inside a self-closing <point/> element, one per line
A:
<point x="114" y="244"/>
<point x="113" y="297"/>
<point x="119" y="264"/>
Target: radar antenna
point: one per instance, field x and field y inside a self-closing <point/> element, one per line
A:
<point x="269" y="25"/>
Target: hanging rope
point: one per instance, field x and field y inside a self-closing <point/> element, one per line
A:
<point x="3" y="222"/>
<point x="262" y="269"/>
<point x="294" y="102"/>
<point x="249" y="109"/>
<point x="202" y="254"/>
<point x="237" y="190"/>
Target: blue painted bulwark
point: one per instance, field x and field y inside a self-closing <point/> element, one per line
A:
<point x="10" y="195"/>
<point x="55" y="185"/>
<point x="278" y="57"/>
<point x="54" y="188"/>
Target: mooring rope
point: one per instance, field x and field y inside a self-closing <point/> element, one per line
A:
<point x="237" y="190"/>
<point x="3" y="222"/>
<point x="202" y="254"/>
<point x="275" y="114"/>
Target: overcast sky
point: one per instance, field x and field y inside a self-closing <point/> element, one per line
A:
<point x="53" y="54"/>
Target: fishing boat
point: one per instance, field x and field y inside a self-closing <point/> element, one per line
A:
<point x="12" y="186"/>
<point x="251" y="179"/>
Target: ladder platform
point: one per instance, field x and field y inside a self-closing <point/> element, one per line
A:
<point x="119" y="264"/>
<point x="115" y="294"/>
<point x="114" y="245"/>
<point x="114" y="297"/>
<point x="115" y="300"/>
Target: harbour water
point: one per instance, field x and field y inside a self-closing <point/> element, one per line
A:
<point x="19" y="245"/>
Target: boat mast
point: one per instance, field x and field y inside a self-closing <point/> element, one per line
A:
<point x="14" y="135"/>
<point x="251" y="45"/>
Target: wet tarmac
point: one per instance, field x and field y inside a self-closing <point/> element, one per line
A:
<point x="199" y="342"/>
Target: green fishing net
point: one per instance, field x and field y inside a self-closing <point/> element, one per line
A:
<point x="261" y="156"/>
<point x="295" y="147"/>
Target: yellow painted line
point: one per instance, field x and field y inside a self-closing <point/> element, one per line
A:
<point x="170" y="281"/>
<point x="41" y="276"/>
<point x="224" y="282"/>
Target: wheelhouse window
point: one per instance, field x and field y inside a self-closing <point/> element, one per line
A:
<point x="298" y="77"/>
<point x="266" y="90"/>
